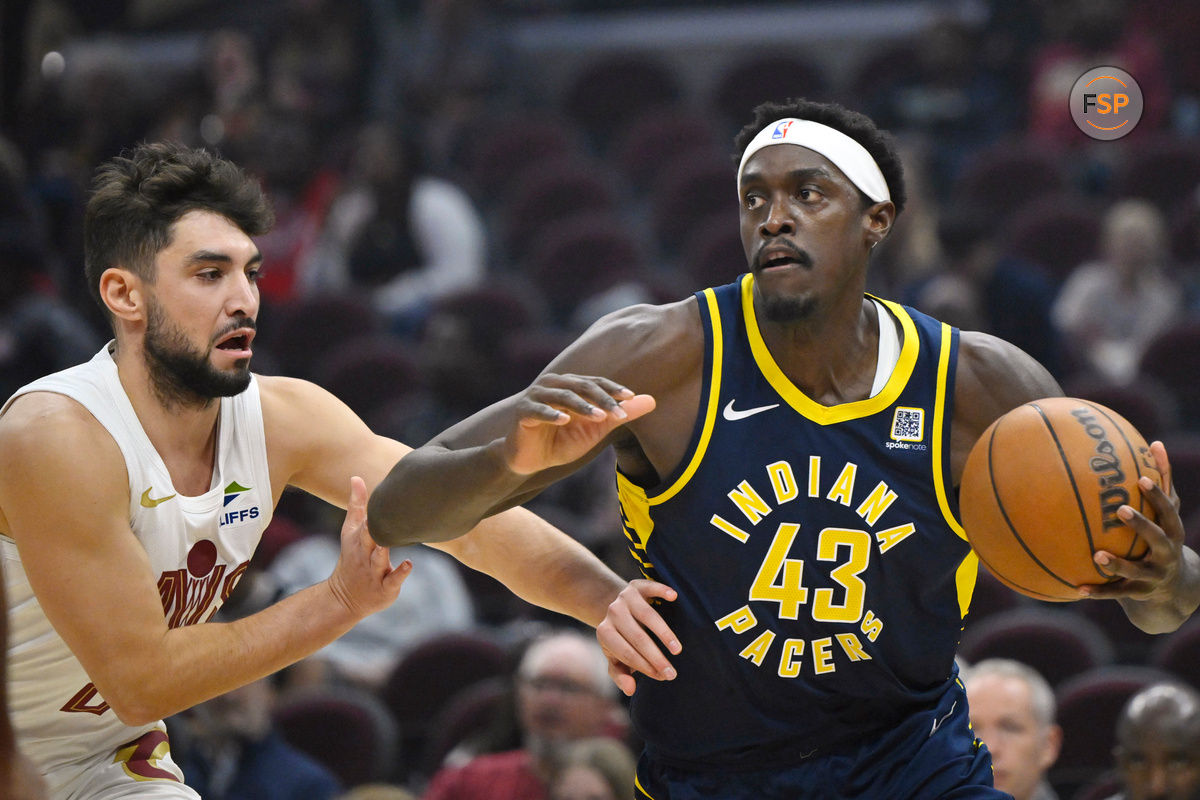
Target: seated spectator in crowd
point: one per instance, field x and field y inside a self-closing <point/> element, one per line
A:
<point x="1158" y="744"/>
<point x="563" y="695"/>
<point x="228" y="747"/>
<point x="1078" y="35"/>
<point x="435" y="600"/>
<point x="39" y="333"/>
<point x="404" y="236"/>
<point x="1012" y="712"/>
<point x="1110" y="309"/>
<point x="1007" y="296"/>
<point x="595" y="769"/>
<point x="377" y="791"/>
<point x="230" y="750"/>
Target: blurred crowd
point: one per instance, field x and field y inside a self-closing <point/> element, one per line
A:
<point x="451" y="212"/>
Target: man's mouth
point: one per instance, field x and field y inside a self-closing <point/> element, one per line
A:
<point x="782" y="256"/>
<point x="237" y="340"/>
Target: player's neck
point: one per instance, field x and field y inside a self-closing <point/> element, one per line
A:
<point x="183" y="434"/>
<point x="831" y="356"/>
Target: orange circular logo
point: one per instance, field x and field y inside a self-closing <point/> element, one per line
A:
<point x="1106" y="103"/>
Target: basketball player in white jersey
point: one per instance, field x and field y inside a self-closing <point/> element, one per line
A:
<point x="135" y="487"/>
<point x="18" y="777"/>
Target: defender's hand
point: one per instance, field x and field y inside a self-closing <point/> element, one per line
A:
<point x="623" y="635"/>
<point x="364" y="580"/>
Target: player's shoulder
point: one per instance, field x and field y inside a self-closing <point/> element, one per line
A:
<point x="990" y="359"/>
<point x="287" y="401"/>
<point x="649" y="323"/>
<point x="42" y="430"/>
<point x="274" y="389"/>
<point x="994" y="376"/>
<point x="42" y="413"/>
<point x="638" y="342"/>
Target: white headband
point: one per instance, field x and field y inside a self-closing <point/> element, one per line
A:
<point x="846" y="154"/>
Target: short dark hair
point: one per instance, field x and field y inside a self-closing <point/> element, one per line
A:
<point x="878" y="142"/>
<point x="137" y="197"/>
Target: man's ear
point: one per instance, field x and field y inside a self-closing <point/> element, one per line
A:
<point x="879" y="219"/>
<point x="123" y="293"/>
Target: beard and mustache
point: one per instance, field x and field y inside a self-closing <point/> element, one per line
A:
<point x="180" y="373"/>
<point x="787" y="309"/>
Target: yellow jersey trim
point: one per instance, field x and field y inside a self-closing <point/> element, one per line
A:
<point x="714" y="399"/>
<point x="968" y="571"/>
<point x="802" y="403"/>
<point x="636" y="521"/>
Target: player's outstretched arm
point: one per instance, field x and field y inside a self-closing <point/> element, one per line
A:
<point x="506" y="453"/>
<point x="1162" y="589"/>
<point x="315" y="442"/>
<point x="65" y="501"/>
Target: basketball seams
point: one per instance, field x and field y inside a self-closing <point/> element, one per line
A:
<point x="1000" y="503"/>
<point x="1083" y="516"/>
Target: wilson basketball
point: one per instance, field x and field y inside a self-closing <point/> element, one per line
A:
<point x="1040" y="493"/>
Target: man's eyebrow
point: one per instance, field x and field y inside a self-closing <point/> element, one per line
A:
<point x="210" y="256"/>
<point x="805" y="173"/>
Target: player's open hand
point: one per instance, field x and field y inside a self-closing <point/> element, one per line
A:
<point x="364" y="579"/>
<point x="1167" y="570"/>
<point x="563" y="417"/>
<point x="624" y="635"/>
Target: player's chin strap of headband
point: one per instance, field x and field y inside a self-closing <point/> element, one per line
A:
<point x="846" y="154"/>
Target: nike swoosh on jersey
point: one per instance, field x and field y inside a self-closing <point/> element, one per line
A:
<point x="732" y="414"/>
<point x="151" y="502"/>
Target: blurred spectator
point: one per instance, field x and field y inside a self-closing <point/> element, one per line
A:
<point x="595" y="769"/>
<point x="229" y="748"/>
<point x="377" y="791"/>
<point x="458" y="65"/>
<point x="1186" y="249"/>
<point x="563" y="695"/>
<point x="318" y="62"/>
<point x="38" y="332"/>
<point x="232" y="75"/>
<point x="1110" y="309"/>
<point x="996" y="292"/>
<point x="435" y="600"/>
<point x="230" y="751"/>
<point x="462" y="344"/>
<point x="911" y="253"/>
<point x="283" y="151"/>
<point x="1158" y="744"/>
<point x="1083" y="34"/>
<point x="1012" y="712"/>
<point x="404" y="235"/>
<point x="949" y="96"/>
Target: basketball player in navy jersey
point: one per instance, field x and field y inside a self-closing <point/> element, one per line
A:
<point x="791" y="499"/>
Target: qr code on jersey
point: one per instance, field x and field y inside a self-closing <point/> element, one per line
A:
<point x="909" y="424"/>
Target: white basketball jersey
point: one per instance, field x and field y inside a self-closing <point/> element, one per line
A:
<point x="198" y="549"/>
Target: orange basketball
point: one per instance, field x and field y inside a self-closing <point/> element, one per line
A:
<point x="1040" y="493"/>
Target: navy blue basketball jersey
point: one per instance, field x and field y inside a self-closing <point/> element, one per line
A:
<point x="821" y="571"/>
